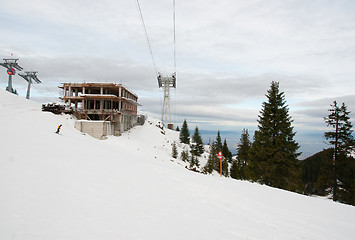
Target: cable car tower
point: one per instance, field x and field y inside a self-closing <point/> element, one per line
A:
<point x="29" y="76"/>
<point x="10" y="64"/>
<point x="166" y="82"/>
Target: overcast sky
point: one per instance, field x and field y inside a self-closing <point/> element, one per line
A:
<point x="227" y="54"/>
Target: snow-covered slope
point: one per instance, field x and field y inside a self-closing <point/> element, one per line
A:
<point x="74" y="187"/>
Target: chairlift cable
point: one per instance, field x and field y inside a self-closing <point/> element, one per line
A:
<point x="146" y="34"/>
<point x="49" y="91"/>
<point x="174" y="20"/>
<point x="147" y="37"/>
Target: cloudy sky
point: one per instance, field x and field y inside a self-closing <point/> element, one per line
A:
<point x="227" y="54"/>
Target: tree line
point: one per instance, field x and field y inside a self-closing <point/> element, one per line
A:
<point x="271" y="158"/>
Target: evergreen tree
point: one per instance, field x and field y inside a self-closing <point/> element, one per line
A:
<point x="317" y="175"/>
<point x="185" y="155"/>
<point x="197" y="146"/>
<point x="225" y="152"/>
<point x="174" y="150"/>
<point x="227" y="158"/>
<point x="346" y="175"/>
<point x="317" y="172"/>
<point x="212" y="158"/>
<point x="239" y="165"/>
<point x="177" y="129"/>
<point x="218" y="142"/>
<point x="225" y="167"/>
<point x="243" y="148"/>
<point x="274" y="151"/>
<point x="219" y="148"/>
<point x="194" y="161"/>
<point x="184" y="133"/>
<point x="340" y="137"/>
<point x="235" y="170"/>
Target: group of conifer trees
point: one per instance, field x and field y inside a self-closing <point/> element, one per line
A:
<point x="196" y="146"/>
<point x="332" y="171"/>
<point x="213" y="162"/>
<point x="272" y="157"/>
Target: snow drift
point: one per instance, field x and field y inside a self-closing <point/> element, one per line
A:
<point x="72" y="186"/>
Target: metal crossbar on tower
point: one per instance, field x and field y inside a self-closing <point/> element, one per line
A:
<point x="166" y="82"/>
<point x="29" y="76"/>
<point x="11" y="64"/>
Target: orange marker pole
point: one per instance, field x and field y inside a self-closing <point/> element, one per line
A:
<point x="220" y="156"/>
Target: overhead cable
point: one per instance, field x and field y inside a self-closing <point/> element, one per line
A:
<point x="146" y="34"/>
<point x="174" y="20"/>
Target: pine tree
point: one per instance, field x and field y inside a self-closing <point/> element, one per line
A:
<point x="340" y="137"/>
<point x="185" y="155"/>
<point x="177" y="129"/>
<point x="235" y="170"/>
<point x="174" y="150"/>
<point x="194" y="161"/>
<point x="212" y="158"/>
<point x="274" y="151"/>
<point x="219" y="148"/>
<point x="346" y="174"/>
<point x="227" y="158"/>
<point x="184" y="133"/>
<point x="316" y="173"/>
<point x="218" y="142"/>
<point x="197" y="146"/>
<point x="225" y="167"/>
<point x="225" y="152"/>
<point x="239" y="165"/>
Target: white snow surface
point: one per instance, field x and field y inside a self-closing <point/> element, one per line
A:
<point x="74" y="187"/>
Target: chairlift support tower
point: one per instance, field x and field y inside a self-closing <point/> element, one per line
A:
<point x="11" y="64"/>
<point x="166" y="82"/>
<point x="29" y="76"/>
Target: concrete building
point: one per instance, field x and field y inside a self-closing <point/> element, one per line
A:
<point x="101" y="108"/>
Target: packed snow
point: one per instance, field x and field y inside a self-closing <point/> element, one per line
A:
<point x="74" y="187"/>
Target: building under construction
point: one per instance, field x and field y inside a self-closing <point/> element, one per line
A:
<point x="101" y="108"/>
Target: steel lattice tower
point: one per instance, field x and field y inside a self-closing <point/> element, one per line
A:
<point x="10" y="64"/>
<point x="29" y="76"/>
<point x="166" y="82"/>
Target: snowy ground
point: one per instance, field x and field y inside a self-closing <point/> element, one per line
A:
<point x="74" y="187"/>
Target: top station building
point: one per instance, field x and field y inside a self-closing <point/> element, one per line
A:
<point x="97" y="106"/>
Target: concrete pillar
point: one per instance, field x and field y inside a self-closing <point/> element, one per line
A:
<point x="83" y="90"/>
<point x="28" y="89"/>
<point x="102" y="90"/>
<point x="9" y="85"/>
<point x="70" y="93"/>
